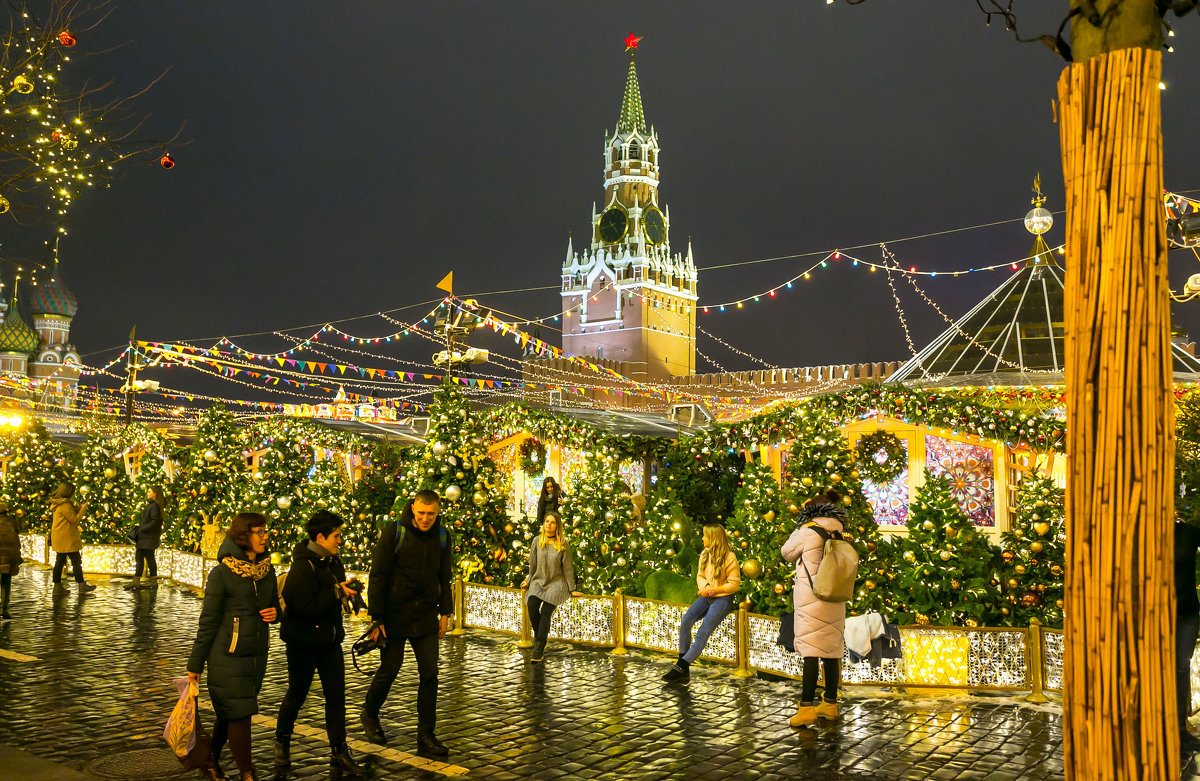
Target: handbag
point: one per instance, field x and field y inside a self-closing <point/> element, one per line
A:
<point x="184" y="733"/>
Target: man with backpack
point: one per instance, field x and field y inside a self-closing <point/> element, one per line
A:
<point x="825" y="571"/>
<point x="312" y="592"/>
<point x="409" y="598"/>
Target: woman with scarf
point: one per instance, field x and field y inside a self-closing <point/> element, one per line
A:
<point x="240" y="600"/>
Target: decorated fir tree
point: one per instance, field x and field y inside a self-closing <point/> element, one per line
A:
<point x="276" y="488"/>
<point x="1031" y="572"/>
<point x="204" y="491"/>
<point x="600" y="520"/>
<point x="944" y="573"/>
<point x="473" y="490"/>
<point x="757" y="530"/>
<point x="820" y="461"/>
<point x="115" y="499"/>
<point x="35" y="467"/>
<point x="371" y="503"/>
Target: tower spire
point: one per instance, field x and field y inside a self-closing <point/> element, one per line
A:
<point x="632" y="118"/>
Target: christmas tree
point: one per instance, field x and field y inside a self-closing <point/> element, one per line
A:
<point x="756" y="533"/>
<point x="666" y="563"/>
<point x="35" y="469"/>
<point x="820" y="461"/>
<point x="210" y="469"/>
<point x="600" y="519"/>
<point x="946" y="565"/>
<point x="454" y="463"/>
<point x="115" y="500"/>
<point x="275" y="487"/>
<point x="372" y="502"/>
<point x="1031" y="573"/>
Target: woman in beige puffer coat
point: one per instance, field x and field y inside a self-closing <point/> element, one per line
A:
<point x="819" y="625"/>
<point x="64" y="537"/>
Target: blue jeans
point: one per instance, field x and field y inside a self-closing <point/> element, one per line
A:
<point x="713" y="610"/>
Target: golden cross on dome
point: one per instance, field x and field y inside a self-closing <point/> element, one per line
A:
<point x="632" y="41"/>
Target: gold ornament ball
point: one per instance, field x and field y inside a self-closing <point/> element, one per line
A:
<point x="835" y="477"/>
<point x="1019" y="569"/>
<point x="508" y="528"/>
<point x="621" y="562"/>
<point x="945" y="555"/>
<point x="829" y="464"/>
<point x="806" y="481"/>
<point x="927" y="525"/>
<point x="846" y="501"/>
<point x="770" y="516"/>
<point x="870" y="585"/>
<point x="1058" y="603"/>
<point x="1035" y="546"/>
<point x="778" y="588"/>
<point x="752" y="568"/>
<point x="951" y="532"/>
<point x="110" y="473"/>
<point x="909" y="556"/>
<point x="459" y="475"/>
<point x="1012" y="583"/>
<point x="745" y="545"/>
<point x="955" y="585"/>
<point x="1004" y="611"/>
<point x="854" y="474"/>
<point x="793" y="509"/>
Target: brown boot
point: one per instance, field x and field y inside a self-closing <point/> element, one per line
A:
<point x="806" y="713"/>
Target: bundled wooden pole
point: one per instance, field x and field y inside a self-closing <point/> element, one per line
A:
<point x="1119" y="698"/>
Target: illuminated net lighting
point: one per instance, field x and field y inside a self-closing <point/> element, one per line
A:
<point x="655" y="625"/>
<point x="493" y="607"/>
<point x="33" y="548"/>
<point x="998" y="660"/>
<point x="584" y="620"/>
<point x="1052" y="664"/>
<point x="935" y="656"/>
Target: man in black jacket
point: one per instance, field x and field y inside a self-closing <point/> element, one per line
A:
<point x="312" y="630"/>
<point x="410" y="599"/>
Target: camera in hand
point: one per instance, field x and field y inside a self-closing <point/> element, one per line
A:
<point x="368" y="643"/>
<point x="354" y="602"/>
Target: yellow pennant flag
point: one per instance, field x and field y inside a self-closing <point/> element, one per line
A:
<point x="447" y="283"/>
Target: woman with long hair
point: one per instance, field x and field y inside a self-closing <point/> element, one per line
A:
<point x="149" y="533"/>
<point x="551" y="580"/>
<point x="717" y="581"/>
<point x="64" y="537"/>
<point x="240" y="599"/>
<point x="819" y="625"/>
<point x="549" y="499"/>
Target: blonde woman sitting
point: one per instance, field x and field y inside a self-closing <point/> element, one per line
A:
<point x="551" y="580"/>
<point x="717" y="580"/>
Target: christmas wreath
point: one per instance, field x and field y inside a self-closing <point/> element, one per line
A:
<point x="881" y="456"/>
<point x="533" y="457"/>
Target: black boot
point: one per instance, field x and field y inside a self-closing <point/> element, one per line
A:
<point x="677" y="673"/>
<point x="283" y="757"/>
<point x="539" y="650"/>
<point x="428" y="745"/>
<point x="372" y="728"/>
<point x="5" y="593"/>
<point x="342" y="763"/>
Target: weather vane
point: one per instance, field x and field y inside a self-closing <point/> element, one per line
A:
<point x="632" y="41"/>
<point x="1038" y="198"/>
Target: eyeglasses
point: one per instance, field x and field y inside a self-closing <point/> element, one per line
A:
<point x="259" y="532"/>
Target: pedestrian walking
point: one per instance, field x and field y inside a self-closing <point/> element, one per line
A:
<point x="312" y="632"/>
<point x="819" y="625"/>
<point x="240" y="601"/>
<point x="410" y="599"/>
<point x="64" y="537"/>
<point x="717" y="580"/>
<point x="551" y="581"/>
<point x="549" y="499"/>
<point x="1187" y="624"/>
<point x="10" y="557"/>
<point x="149" y="534"/>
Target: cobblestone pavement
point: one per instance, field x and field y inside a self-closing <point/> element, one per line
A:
<point x="101" y="685"/>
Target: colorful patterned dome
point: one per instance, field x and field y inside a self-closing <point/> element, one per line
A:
<point x="53" y="298"/>
<point x="15" y="336"/>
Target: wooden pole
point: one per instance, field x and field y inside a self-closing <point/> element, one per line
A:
<point x="1119" y="697"/>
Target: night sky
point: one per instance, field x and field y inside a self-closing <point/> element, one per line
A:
<point x="343" y="157"/>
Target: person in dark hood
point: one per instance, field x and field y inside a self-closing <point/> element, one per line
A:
<point x="312" y="630"/>
<point x="240" y="601"/>
<point x="10" y="556"/>
<point x="410" y="599"/>
<point x="149" y="534"/>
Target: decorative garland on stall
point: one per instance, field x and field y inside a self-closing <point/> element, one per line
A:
<point x="871" y="447"/>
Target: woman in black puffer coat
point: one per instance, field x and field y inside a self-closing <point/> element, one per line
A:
<point x="240" y="600"/>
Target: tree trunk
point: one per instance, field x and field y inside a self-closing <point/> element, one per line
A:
<point x="1119" y="698"/>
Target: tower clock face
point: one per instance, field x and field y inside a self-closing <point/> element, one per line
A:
<point x="613" y="226"/>
<point x="654" y="225"/>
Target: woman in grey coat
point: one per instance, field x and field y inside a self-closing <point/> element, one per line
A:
<point x="551" y="580"/>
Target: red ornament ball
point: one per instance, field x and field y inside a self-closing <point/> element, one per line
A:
<point x="166" y="161"/>
<point x="66" y="39"/>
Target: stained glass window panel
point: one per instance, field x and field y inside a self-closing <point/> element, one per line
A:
<point x="971" y="474"/>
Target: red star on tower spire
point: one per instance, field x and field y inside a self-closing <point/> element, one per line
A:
<point x="632" y="41"/>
